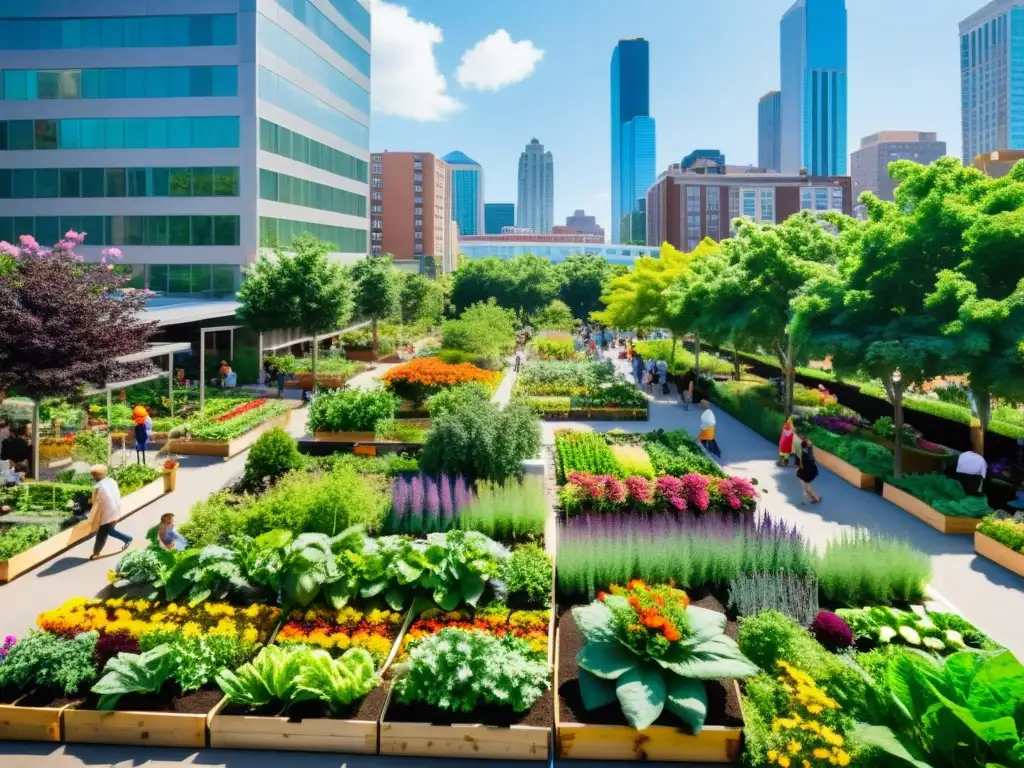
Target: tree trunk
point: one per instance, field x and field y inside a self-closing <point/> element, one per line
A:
<point x="983" y="405"/>
<point x="696" y="354"/>
<point x="35" y="439"/>
<point x="315" y="345"/>
<point x="376" y="341"/>
<point x="736" y="371"/>
<point x="897" y="390"/>
<point x="672" y="354"/>
<point x="786" y="359"/>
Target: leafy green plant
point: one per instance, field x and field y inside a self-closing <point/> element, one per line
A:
<point x="20" y="538"/>
<point x="648" y="665"/>
<point x="274" y="454"/>
<point x="795" y="596"/>
<point x="868" y="457"/>
<point x="134" y="673"/>
<point x="1007" y="532"/>
<point x="90" y="447"/>
<point x="965" y="712"/>
<point x="915" y="628"/>
<point x="584" y="452"/>
<point x="554" y="408"/>
<point x="198" y="659"/>
<point x="482" y="329"/>
<point x="555" y="349"/>
<point x="632" y="461"/>
<point x="943" y="494"/>
<point x="860" y="569"/>
<point x="350" y="410"/>
<point x="527" y="576"/>
<point x="460" y="670"/>
<point x="133" y="477"/>
<point x="556" y="377"/>
<point x="514" y="510"/>
<point x="482" y="442"/>
<point x="48" y="662"/>
<point x="207" y="428"/>
<point x="338" y="682"/>
<point x="451" y="399"/>
<point x="138" y="566"/>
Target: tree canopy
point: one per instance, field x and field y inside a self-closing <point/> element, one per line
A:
<point x="581" y="281"/>
<point x="636" y="299"/>
<point x="378" y="290"/>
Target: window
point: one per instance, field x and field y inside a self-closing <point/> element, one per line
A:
<point x="377" y="224"/>
<point x="378" y="168"/>
<point x="418" y="235"/>
<point x="821" y="198"/>
<point x="417" y="177"/>
<point x="376" y="209"/>
<point x="118" y="83"/>
<point x="378" y="158"/>
<point x="378" y="236"/>
<point x="417" y="211"/>
<point x="418" y="200"/>
<point x="121" y="133"/>
<point x="417" y="166"/>
<point x="377" y="250"/>
<point x="309" y="194"/>
<point x="376" y="195"/>
<point x="128" y="230"/>
<point x="377" y="182"/>
<point x="418" y="248"/>
<point x="750" y="203"/>
<point x="692" y="199"/>
<point x="282" y="93"/>
<point x="837" y="198"/>
<point x="713" y="198"/>
<point x="343" y="239"/>
<point x="321" y="26"/>
<point x="417" y="187"/>
<point x="805" y="198"/>
<point x="40" y="34"/>
<point x="768" y="205"/>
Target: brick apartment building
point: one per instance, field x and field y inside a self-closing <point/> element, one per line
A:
<point x="411" y="207"/>
<point x="685" y="206"/>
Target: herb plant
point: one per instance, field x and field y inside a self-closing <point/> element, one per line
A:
<point x="584" y="452"/>
<point x="860" y="569"/>
<point x="796" y="596"/>
<point x="350" y="410"/>
<point x="46" y="661"/>
<point x="20" y="538"/>
<point x="527" y="576"/>
<point x="459" y="670"/>
<point x="651" y="650"/>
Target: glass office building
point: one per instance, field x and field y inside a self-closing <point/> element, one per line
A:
<point x="769" y="133"/>
<point x="187" y="136"/>
<point x="992" y="79"/>
<point x="813" y="79"/>
<point x="467" y="178"/>
<point x="557" y="252"/>
<point x="633" y="130"/>
<point x="498" y="216"/>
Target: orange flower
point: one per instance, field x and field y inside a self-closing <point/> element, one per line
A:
<point x="601" y="596"/>
<point x="671" y="633"/>
<point x="433" y="372"/>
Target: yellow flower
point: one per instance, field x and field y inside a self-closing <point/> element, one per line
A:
<point x="793" y="747"/>
<point x="820" y="753"/>
<point x="773" y="755"/>
<point x="253" y="611"/>
<point x="842" y="758"/>
<point x="250" y="635"/>
<point x="784" y="761"/>
<point x="342" y="641"/>
<point x="191" y="629"/>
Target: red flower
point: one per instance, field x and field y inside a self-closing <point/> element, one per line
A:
<point x="238" y="410"/>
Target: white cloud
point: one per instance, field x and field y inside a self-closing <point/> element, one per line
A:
<point x="406" y="79"/>
<point x="497" y="61"/>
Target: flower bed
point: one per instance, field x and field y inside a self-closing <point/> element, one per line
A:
<point x="425" y="376"/>
<point x="604" y="493"/>
<point x="374" y="631"/>
<point x="531" y="626"/>
<point x="228" y="433"/>
<point x="1002" y="541"/>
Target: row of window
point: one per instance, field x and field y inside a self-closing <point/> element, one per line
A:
<point x="118" y="83"/>
<point x="274" y="89"/>
<point x="209" y="280"/>
<point x="126" y="230"/>
<point x="309" y="194"/>
<point x="280" y="232"/>
<point x="304" y="59"/>
<point x="120" y="133"/>
<point x="117" y="32"/>
<point x="316" y="22"/>
<point x="24" y="183"/>
<point x="302" y="149"/>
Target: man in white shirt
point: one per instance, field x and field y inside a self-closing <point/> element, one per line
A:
<point x="106" y="504"/>
<point x="707" y="430"/>
<point x="971" y="469"/>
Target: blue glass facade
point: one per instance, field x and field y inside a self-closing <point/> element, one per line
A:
<point x="813" y="65"/>
<point x="557" y="252"/>
<point x="633" y="147"/>
<point x="282" y="93"/>
<point x="120" y="133"/>
<point x="769" y="131"/>
<point x="497" y="216"/>
<point x="321" y="26"/>
<point x="42" y="34"/>
<point x="118" y="83"/>
<point x="467" y="192"/>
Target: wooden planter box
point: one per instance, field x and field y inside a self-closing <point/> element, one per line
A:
<point x="579" y="741"/>
<point x="848" y="472"/>
<point x="479" y="742"/>
<point x="940" y="522"/>
<point x="282" y="733"/>
<point x="225" y="449"/>
<point x="609" y="414"/>
<point x="998" y="553"/>
<point x="154" y="729"/>
<point x="40" y="553"/>
<point x="30" y="723"/>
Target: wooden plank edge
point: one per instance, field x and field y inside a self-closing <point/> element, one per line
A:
<point x="998" y="553"/>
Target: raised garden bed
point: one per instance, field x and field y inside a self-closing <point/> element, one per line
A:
<point x="156" y="721"/>
<point x="603" y="734"/>
<point x="609" y="414"/>
<point x="997" y="552"/>
<point x="948" y="524"/>
<point x="848" y="472"/>
<point x="68" y="537"/>
<point x="188" y="446"/>
<point x="29" y="718"/>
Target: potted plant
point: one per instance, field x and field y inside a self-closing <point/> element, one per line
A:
<point x="170" y="475"/>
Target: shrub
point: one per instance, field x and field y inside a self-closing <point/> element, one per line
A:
<point x="350" y="410"/>
<point x="482" y="442"/>
<point x="866" y="456"/>
<point x="272" y="456"/>
<point x="50" y="663"/>
<point x="213" y="520"/>
<point x="556" y="316"/>
<point x="527" y="576"/>
<point x="425" y="376"/>
<point x="473" y="394"/>
<point x="753" y="404"/>
<point x="795" y="596"/>
<point x="483" y="329"/>
<point x="632" y="461"/>
<point x="831" y="631"/>
<point x="20" y="538"/>
<point x="90" y="447"/>
<point x="860" y="569"/>
<point x="1009" y="533"/>
<point x="555" y="408"/>
<point x="943" y="494"/>
<point x="554" y="349"/>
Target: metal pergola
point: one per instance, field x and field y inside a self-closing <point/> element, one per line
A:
<point x="314" y="338"/>
<point x="202" y="356"/>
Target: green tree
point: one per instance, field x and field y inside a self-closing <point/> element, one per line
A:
<point x="306" y="291"/>
<point x="636" y="299"/>
<point x="479" y="280"/>
<point x="581" y="279"/>
<point x="534" y="284"/>
<point x="422" y="300"/>
<point x="689" y="296"/>
<point x="378" y="290"/>
<point x="556" y="316"/>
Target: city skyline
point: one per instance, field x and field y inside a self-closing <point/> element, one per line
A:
<point x="536" y="189"/>
<point x="490" y="125"/>
<point x="633" y="134"/>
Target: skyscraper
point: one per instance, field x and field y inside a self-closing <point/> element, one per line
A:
<point x="536" y="207"/>
<point x="769" y="131"/>
<point x="414" y="218"/>
<point x="991" y="76"/>
<point x="467" y="192"/>
<point x="869" y="165"/>
<point x="195" y="135"/>
<point x="633" y="130"/>
<point x="497" y="216"/>
<point x="813" y="80"/>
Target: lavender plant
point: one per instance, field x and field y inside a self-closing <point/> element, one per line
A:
<point x="796" y="596"/>
<point x="689" y="550"/>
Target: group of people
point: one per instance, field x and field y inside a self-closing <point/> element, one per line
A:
<point x="803" y="453"/>
<point x="648" y="372"/>
<point x="106" y="507"/>
<point x="15" y="454"/>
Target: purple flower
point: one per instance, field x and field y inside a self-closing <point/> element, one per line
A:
<point x="416" y="502"/>
<point x="400" y="497"/>
<point x="447" y="503"/>
<point x="433" y="503"/>
<point x="463" y="494"/>
<point x="832" y="631"/>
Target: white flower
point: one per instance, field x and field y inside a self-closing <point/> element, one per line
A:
<point x="955" y="637"/>
<point x="885" y="634"/>
<point x="464" y="673"/>
<point x="926" y="623"/>
<point x="910" y="635"/>
<point x="934" y="643"/>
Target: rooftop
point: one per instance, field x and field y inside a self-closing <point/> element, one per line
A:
<point x="459" y="158"/>
<point x="165" y="310"/>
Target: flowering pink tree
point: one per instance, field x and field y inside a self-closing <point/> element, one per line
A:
<point x="65" y="323"/>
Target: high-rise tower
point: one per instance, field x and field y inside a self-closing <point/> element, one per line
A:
<point x="536" y="207"/>
<point x="633" y="132"/>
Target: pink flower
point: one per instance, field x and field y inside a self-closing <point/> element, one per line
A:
<point x="9" y="250"/>
<point x="112" y="253"/>
<point x="28" y="242"/>
<point x="695" y="489"/>
<point x="616" y="489"/>
<point x="640" y="489"/>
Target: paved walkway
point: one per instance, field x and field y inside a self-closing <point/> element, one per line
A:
<point x="985" y="593"/>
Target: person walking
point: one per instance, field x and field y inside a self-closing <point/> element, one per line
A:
<point x="638" y="368"/>
<point x="663" y="376"/>
<point x="707" y="430"/>
<point x="106" y="505"/>
<point x="689" y="381"/>
<point x="786" y="442"/>
<point x="807" y="472"/>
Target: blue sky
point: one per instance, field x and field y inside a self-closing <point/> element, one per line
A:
<point x="710" y="62"/>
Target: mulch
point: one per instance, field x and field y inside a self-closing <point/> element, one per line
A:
<point x="540" y="715"/>
<point x="193" y="703"/>
<point x="723" y="696"/>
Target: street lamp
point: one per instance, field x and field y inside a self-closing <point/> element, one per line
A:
<point x="897" y="397"/>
